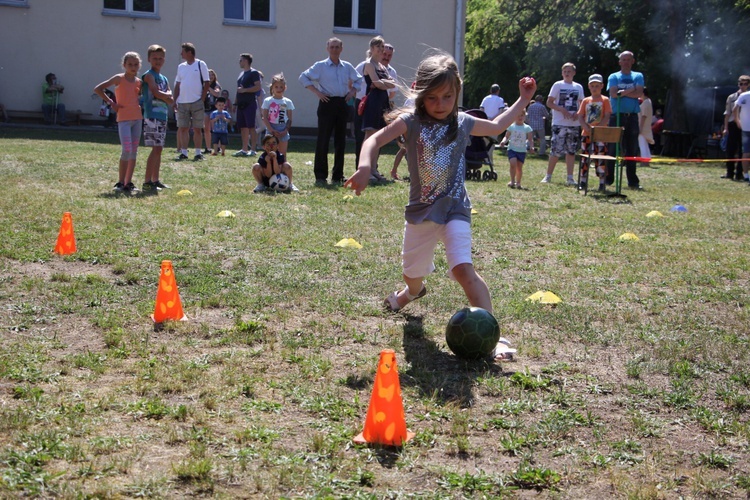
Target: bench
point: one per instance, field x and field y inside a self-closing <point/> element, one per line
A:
<point x="71" y="116"/>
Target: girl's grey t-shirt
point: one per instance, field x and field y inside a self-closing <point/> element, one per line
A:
<point x="437" y="169"/>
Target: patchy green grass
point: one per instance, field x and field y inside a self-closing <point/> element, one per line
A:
<point x="636" y="385"/>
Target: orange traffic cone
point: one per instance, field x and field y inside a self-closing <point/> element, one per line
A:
<point x="168" y="305"/>
<point x="385" y="424"/>
<point x="66" y="240"/>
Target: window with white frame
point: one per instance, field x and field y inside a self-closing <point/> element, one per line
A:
<point x="132" y="8"/>
<point x="250" y="12"/>
<point x="357" y="15"/>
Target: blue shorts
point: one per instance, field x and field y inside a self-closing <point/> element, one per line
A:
<point x="517" y="155"/>
<point x="279" y="127"/>
<point x="246" y="116"/>
<point x="745" y="141"/>
<point x="220" y="138"/>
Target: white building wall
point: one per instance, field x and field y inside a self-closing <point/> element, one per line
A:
<point x="74" y="40"/>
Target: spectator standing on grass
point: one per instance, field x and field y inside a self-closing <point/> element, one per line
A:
<point x="379" y="84"/>
<point x="645" y="134"/>
<point x="333" y="81"/>
<point x="277" y="112"/>
<point x="157" y="99"/>
<point x="129" y="116"/>
<point x="51" y="90"/>
<point x="386" y="61"/>
<point x="220" y="119"/>
<point x="595" y="111"/>
<point x="537" y="116"/>
<point x="733" y="133"/>
<point x="209" y="106"/>
<point x="742" y="119"/>
<point x="563" y="100"/>
<point x="248" y="85"/>
<point x="625" y="87"/>
<point x="493" y="104"/>
<point x="190" y="89"/>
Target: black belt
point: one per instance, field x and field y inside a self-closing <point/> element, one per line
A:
<point x="628" y="114"/>
<point x="334" y="97"/>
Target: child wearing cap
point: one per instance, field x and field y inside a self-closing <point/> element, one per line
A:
<point x="593" y="112"/>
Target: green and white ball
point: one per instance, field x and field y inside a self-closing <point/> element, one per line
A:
<point x="472" y="333"/>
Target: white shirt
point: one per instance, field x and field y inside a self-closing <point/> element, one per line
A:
<point x="189" y="78"/>
<point x="492" y="105"/>
<point x="569" y="96"/>
<point x="743" y="102"/>
<point x="360" y="69"/>
<point x="392" y="92"/>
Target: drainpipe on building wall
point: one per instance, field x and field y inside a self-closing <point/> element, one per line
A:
<point x="460" y="32"/>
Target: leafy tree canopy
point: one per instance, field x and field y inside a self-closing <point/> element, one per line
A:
<point x="677" y="43"/>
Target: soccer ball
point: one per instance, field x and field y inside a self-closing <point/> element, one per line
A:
<point x="279" y="182"/>
<point x="472" y="333"/>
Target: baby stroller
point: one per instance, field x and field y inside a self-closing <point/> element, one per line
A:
<point x="479" y="153"/>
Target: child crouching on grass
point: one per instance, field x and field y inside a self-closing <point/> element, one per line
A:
<point x="439" y="209"/>
<point x="270" y="163"/>
<point x="516" y="138"/>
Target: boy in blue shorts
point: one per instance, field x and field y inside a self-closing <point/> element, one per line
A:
<point x="157" y="99"/>
<point x="220" y="119"/>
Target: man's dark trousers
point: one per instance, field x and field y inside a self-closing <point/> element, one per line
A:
<point x="629" y="121"/>
<point x="734" y="150"/>
<point x="331" y="121"/>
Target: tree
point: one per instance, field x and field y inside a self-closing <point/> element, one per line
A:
<point x="677" y="43"/>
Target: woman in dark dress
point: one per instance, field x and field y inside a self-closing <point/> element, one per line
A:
<point x="378" y="83"/>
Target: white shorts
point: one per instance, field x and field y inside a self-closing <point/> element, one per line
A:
<point x="421" y="239"/>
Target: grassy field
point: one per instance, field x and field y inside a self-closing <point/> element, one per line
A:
<point x="636" y="386"/>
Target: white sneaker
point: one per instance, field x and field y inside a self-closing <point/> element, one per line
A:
<point x="294" y="189"/>
<point x="252" y="152"/>
<point x="546" y="179"/>
<point x="259" y="188"/>
<point x="570" y="182"/>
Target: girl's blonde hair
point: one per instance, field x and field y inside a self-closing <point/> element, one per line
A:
<point x="433" y="73"/>
<point x="374" y="42"/>
<point x="131" y="55"/>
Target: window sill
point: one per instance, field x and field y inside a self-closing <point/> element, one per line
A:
<point x="356" y="31"/>
<point x="249" y="24"/>
<point x="132" y="15"/>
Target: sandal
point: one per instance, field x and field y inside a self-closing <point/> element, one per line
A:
<point x="391" y="302"/>
<point x="503" y="351"/>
